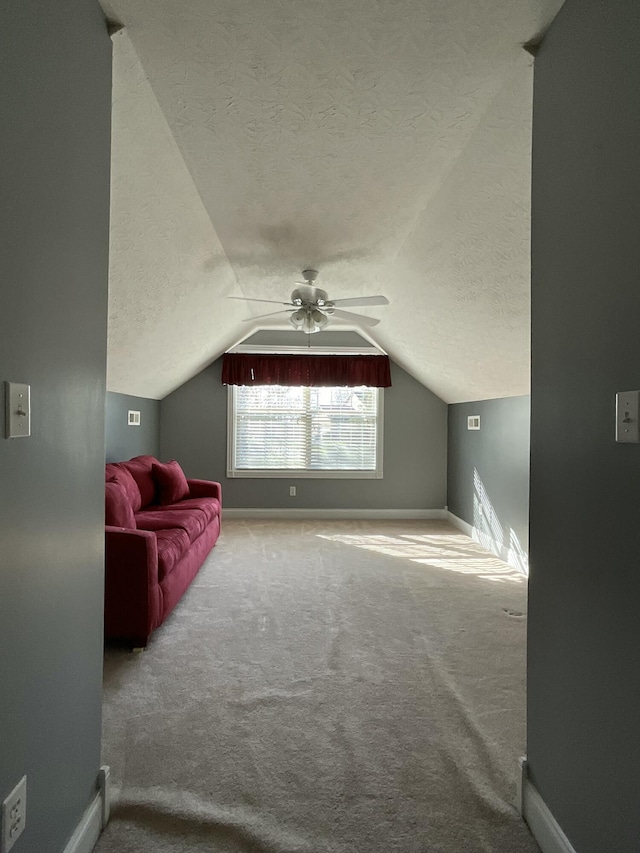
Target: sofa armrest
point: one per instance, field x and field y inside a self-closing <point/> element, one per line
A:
<point x="131" y="546"/>
<point x="205" y="489"/>
<point x="133" y="599"/>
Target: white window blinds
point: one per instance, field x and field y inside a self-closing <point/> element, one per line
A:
<point x="287" y="429"/>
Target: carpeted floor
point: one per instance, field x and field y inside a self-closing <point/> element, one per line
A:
<point x="325" y="687"/>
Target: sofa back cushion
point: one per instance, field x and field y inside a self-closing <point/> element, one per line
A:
<point x="115" y="471"/>
<point x="171" y="482"/>
<point x="140" y="468"/>
<point x="117" y="507"/>
<point x="110" y="470"/>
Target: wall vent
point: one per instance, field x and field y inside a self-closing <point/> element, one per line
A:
<point x="133" y="418"/>
<point x="473" y="422"/>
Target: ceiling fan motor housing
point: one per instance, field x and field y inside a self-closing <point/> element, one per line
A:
<point x="310" y="296"/>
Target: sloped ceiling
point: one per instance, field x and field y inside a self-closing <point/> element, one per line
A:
<point x="386" y="144"/>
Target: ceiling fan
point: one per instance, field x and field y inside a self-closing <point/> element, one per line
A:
<point x="310" y="308"/>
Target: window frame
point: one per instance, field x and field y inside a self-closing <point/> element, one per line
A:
<point x="303" y="473"/>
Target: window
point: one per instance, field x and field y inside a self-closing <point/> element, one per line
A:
<point x="294" y="431"/>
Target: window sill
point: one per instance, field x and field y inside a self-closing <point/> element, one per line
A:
<point x="297" y="474"/>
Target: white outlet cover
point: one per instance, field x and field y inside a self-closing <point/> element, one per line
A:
<point x="14" y="816"/>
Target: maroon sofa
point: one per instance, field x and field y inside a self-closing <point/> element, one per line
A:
<point x="159" y="527"/>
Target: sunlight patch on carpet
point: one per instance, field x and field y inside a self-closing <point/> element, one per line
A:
<point x="449" y="552"/>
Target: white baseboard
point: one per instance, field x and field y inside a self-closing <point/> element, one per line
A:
<point x="104" y="786"/>
<point x="355" y="514"/>
<point x="92" y="823"/>
<point x="460" y="524"/>
<point x="88" y="830"/>
<point x="544" y="827"/>
<point x="513" y="558"/>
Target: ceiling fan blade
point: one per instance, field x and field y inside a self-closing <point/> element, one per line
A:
<point x="248" y="299"/>
<point x="262" y="316"/>
<point x="362" y="300"/>
<point x="358" y="318"/>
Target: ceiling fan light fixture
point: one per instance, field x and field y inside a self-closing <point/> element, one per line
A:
<point x="308" y="320"/>
<point x="297" y="318"/>
<point x="310" y="326"/>
<point x="319" y="318"/>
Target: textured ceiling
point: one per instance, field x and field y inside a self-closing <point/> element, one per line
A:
<point x="387" y="144"/>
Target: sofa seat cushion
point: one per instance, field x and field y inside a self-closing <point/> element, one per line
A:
<point x="172" y="546"/>
<point x="209" y="506"/>
<point x="193" y="523"/>
<point x="117" y="508"/>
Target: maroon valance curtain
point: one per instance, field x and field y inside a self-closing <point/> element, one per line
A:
<point x="311" y="370"/>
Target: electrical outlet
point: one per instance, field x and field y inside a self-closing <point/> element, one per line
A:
<point x="292" y="491"/>
<point x="14" y="815"/>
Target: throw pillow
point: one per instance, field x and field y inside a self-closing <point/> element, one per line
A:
<point x="171" y="481"/>
<point x="118" y="511"/>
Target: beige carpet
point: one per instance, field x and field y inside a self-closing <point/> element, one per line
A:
<point x="325" y="687"/>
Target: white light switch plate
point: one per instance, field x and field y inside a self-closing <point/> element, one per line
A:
<point x="18" y="410"/>
<point x="627" y="413"/>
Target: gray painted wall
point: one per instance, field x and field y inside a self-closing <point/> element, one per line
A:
<point x="194" y="431"/>
<point x="123" y="441"/>
<point x="584" y="627"/>
<point x="55" y="103"/>
<point x="489" y="468"/>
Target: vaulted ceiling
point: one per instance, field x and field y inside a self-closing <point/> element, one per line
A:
<point x="385" y="143"/>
